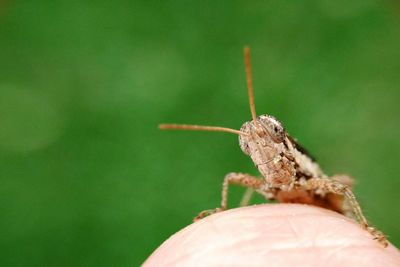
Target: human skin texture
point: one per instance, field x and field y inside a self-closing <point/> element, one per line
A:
<point x="274" y="235"/>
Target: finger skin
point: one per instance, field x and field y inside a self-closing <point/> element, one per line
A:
<point x="274" y="235"/>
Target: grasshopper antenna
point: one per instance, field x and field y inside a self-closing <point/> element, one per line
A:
<point x="199" y="128"/>
<point x="249" y="78"/>
<point x="223" y="129"/>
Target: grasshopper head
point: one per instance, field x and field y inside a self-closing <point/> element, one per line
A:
<point x="265" y="129"/>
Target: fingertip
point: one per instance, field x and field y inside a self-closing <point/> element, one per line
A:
<point x="273" y="235"/>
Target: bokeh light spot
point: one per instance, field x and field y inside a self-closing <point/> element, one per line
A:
<point x="28" y="120"/>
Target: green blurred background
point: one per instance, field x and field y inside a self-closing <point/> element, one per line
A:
<point x="87" y="179"/>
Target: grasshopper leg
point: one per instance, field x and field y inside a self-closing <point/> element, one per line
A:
<point x="246" y="180"/>
<point x="336" y="187"/>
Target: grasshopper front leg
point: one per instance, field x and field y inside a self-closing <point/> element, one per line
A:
<point x="242" y="179"/>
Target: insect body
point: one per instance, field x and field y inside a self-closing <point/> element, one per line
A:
<point x="289" y="174"/>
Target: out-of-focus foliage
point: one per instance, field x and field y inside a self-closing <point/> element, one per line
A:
<point x="86" y="177"/>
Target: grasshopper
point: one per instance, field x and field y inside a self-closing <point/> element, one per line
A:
<point x="289" y="173"/>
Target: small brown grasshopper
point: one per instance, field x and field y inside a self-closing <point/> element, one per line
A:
<point x="290" y="174"/>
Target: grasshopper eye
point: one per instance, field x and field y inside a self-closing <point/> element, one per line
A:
<point x="244" y="145"/>
<point x="243" y="142"/>
<point x="273" y="127"/>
